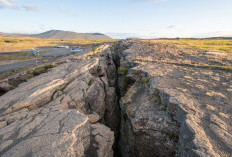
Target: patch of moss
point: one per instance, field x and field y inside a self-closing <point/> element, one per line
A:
<point x="127" y="81"/>
<point x="130" y="113"/>
<point x="127" y="99"/>
<point x="52" y="65"/>
<point x="131" y="91"/>
<point x="30" y="71"/>
<point x="228" y="68"/>
<point x="171" y="136"/>
<point x="148" y="80"/>
<point x="30" y="76"/>
<point x="122" y="71"/>
<point x="62" y="89"/>
<point x="43" y="69"/>
<point x="39" y="70"/>
<point x="4" y="75"/>
<point x="164" y="108"/>
<point x="156" y="98"/>
<point x="44" y="61"/>
<point x="12" y="87"/>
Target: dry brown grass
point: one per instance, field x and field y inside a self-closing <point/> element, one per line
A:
<point x="209" y="45"/>
<point x="23" y="43"/>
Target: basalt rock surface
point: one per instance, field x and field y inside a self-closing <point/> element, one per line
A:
<point x="63" y="112"/>
<point x="172" y="104"/>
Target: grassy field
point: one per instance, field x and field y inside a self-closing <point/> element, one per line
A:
<point x="209" y="45"/>
<point x="23" y="43"/>
<point x="19" y="56"/>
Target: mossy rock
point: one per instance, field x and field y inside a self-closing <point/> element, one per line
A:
<point x="127" y="81"/>
<point x="127" y="99"/>
<point x="131" y="113"/>
<point x="43" y="69"/>
<point x="148" y="80"/>
<point x="156" y="98"/>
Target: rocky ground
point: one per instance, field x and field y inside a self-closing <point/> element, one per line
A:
<point x="131" y="98"/>
<point x="179" y="101"/>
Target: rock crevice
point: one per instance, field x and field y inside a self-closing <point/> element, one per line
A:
<point x="104" y="103"/>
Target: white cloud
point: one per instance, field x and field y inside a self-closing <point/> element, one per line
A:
<point x="12" y="4"/>
<point x="174" y="27"/>
<point x="122" y="35"/>
<point x="2" y="7"/>
<point x="31" y="8"/>
<point x="9" y="3"/>
<point x="43" y="28"/>
<point x="63" y="9"/>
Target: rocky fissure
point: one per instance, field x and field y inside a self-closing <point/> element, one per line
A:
<point x="104" y="103"/>
<point x="146" y="128"/>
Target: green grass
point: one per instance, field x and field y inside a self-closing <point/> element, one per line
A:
<point x="209" y="45"/>
<point x="4" y="75"/>
<point x="19" y="56"/>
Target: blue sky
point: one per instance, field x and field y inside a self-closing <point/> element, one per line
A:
<point x="119" y="18"/>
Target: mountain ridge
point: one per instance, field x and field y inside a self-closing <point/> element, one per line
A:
<point x="60" y="34"/>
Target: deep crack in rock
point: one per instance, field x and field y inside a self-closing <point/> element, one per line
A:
<point x="108" y="103"/>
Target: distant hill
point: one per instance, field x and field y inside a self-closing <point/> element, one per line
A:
<point x="58" y="34"/>
<point x="7" y="35"/>
<point x="225" y="38"/>
<point x="211" y="38"/>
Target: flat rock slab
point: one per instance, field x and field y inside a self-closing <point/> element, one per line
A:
<point x="63" y="133"/>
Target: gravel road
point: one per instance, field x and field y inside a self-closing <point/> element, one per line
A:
<point x="51" y="53"/>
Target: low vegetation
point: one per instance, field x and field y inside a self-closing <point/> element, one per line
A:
<point x="203" y="44"/>
<point x="227" y="68"/>
<point x="30" y="73"/>
<point x="22" y="43"/>
<point x="18" y="56"/>
<point x="122" y="71"/>
<point x="41" y="69"/>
